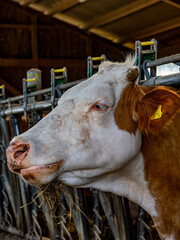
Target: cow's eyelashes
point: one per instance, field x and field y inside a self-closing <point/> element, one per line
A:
<point x="99" y="107"/>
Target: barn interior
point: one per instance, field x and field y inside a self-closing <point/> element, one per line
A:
<point x="44" y="34"/>
<point x="53" y="34"/>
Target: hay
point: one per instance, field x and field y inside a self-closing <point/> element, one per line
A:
<point x="52" y="195"/>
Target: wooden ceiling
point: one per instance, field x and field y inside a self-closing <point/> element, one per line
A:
<point x="123" y="22"/>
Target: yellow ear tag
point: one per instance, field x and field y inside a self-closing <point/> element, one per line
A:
<point x="157" y="114"/>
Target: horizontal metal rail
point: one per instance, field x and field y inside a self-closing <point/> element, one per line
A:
<point x="39" y="106"/>
<point x="171" y="59"/>
<point x="43" y="91"/>
<point x="172" y="80"/>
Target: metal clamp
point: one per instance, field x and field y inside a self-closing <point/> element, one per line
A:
<point x="29" y="86"/>
<point x="2" y="94"/>
<point x="92" y="69"/>
<point x="142" y="55"/>
<point x="56" y="81"/>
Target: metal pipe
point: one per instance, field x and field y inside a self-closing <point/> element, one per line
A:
<point x="172" y="80"/>
<point x="30" y="107"/>
<point x="43" y="91"/>
<point x="165" y="60"/>
<point x="71" y="84"/>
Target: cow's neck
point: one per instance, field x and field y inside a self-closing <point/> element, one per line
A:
<point x="129" y="182"/>
<point x="162" y="172"/>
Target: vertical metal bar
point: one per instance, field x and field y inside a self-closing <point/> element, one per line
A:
<point x="25" y="98"/>
<point x="138" y="50"/>
<point x="89" y="67"/>
<point x="52" y="87"/>
<point x="81" y="204"/>
<point x="126" y="216"/>
<point x="98" y="224"/>
<point x="154" y="49"/>
<point x="141" y="228"/>
<point x="7" y="176"/>
<point x="104" y="198"/>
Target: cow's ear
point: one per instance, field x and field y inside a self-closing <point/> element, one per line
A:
<point x="156" y="109"/>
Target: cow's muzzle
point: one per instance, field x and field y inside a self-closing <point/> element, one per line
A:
<point x="19" y="161"/>
<point x="16" y="154"/>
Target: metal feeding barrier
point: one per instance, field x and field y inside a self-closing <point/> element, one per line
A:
<point x="107" y="216"/>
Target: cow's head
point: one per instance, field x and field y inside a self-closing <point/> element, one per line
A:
<point x="95" y="129"/>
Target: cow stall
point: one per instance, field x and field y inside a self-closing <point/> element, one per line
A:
<point x="76" y="213"/>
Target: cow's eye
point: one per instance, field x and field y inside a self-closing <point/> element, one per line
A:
<point x="99" y="107"/>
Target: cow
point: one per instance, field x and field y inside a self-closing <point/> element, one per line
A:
<point x="110" y="134"/>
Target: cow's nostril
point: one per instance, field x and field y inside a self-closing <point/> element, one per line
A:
<point x="20" y="150"/>
<point x="18" y="153"/>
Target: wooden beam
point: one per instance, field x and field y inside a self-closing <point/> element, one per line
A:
<point x="62" y="6"/>
<point x="42" y="62"/>
<point x="26" y="26"/>
<point x="18" y="26"/>
<point x="119" y="13"/>
<point x="105" y="34"/>
<point x="26" y="2"/>
<point x="177" y="5"/>
<point x="130" y="45"/>
<point x="9" y="87"/>
<point x="68" y="19"/>
<point x="151" y="31"/>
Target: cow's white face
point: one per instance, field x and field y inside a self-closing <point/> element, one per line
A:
<point x="79" y="140"/>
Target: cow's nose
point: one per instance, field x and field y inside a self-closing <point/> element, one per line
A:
<point x="16" y="153"/>
<point x="20" y="151"/>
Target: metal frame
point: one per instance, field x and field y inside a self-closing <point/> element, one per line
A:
<point x="15" y="192"/>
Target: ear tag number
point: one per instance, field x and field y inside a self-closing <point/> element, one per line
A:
<point x="158" y="113"/>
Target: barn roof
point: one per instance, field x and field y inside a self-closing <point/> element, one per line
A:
<point x="122" y="22"/>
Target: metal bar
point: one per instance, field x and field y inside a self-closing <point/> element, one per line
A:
<point x="41" y="92"/>
<point x="126" y="222"/>
<point x="172" y="80"/>
<point x="97" y="58"/>
<point x="9" y="179"/>
<point x="119" y="217"/>
<point x="21" y="190"/>
<point x="59" y="70"/>
<point x="108" y="211"/>
<point x="30" y="107"/>
<point x="84" y="222"/>
<point x="140" y="226"/>
<point x="165" y="60"/>
<point x="147" y="43"/>
<point x="98" y="222"/>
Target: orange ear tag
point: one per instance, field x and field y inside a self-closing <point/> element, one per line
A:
<point x="158" y="113"/>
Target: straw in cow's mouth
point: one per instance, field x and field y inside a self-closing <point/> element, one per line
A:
<point x="51" y="195"/>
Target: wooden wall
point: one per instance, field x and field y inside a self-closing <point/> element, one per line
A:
<point x="29" y="39"/>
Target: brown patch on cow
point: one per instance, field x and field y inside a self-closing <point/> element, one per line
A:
<point x="85" y="136"/>
<point x="162" y="97"/>
<point x="162" y="171"/>
<point x="29" y="177"/>
<point x="125" y="109"/>
<point x="160" y="151"/>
